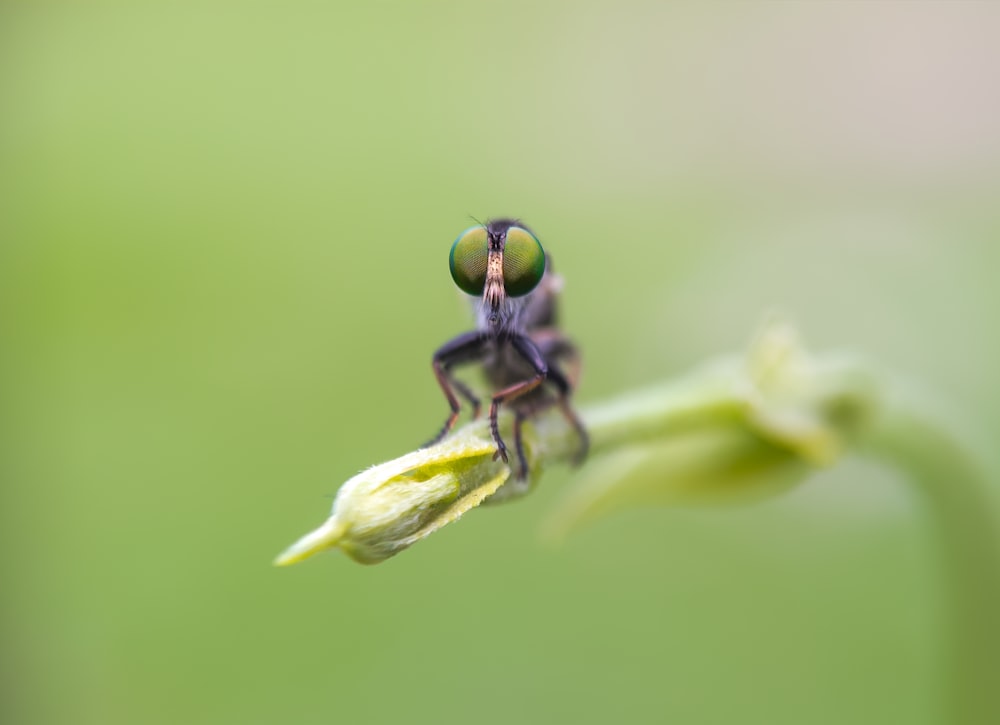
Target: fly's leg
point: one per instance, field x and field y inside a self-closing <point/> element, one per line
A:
<point x="505" y="396"/>
<point x="574" y="420"/>
<point x="463" y="348"/>
<point x="530" y="352"/>
<point x="464" y="391"/>
<point x="522" y="462"/>
<point x="555" y="346"/>
<point x="562" y="385"/>
<point x="520" y="417"/>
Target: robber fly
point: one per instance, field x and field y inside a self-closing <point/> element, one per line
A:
<point x="503" y="266"/>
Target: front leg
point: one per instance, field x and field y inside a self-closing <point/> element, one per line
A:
<point x="529" y="351"/>
<point x="463" y="348"/>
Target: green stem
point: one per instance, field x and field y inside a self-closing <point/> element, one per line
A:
<point x="962" y="509"/>
<point x="702" y="400"/>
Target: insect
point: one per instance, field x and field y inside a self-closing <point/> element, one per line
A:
<point x="501" y="264"/>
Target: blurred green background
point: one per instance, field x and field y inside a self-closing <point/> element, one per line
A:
<point x="223" y="272"/>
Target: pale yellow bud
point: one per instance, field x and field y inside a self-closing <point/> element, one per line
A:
<point x="385" y="509"/>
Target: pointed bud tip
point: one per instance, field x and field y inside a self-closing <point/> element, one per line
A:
<point x="325" y="537"/>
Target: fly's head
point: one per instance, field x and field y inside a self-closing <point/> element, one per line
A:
<point x="501" y="262"/>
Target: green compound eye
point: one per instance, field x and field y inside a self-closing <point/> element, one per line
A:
<point x="468" y="260"/>
<point x="523" y="262"/>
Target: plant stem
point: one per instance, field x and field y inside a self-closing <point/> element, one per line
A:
<point x="962" y="509"/>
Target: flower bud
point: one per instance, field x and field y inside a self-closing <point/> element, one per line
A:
<point x="385" y="509"/>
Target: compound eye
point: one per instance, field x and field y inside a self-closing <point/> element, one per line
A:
<point x="468" y="259"/>
<point x="523" y="262"/>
